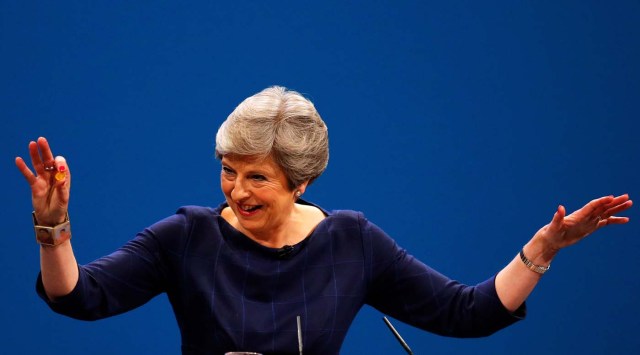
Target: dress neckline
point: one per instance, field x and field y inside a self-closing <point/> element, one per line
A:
<point x="237" y="239"/>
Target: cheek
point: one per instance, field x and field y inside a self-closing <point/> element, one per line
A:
<point x="226" y="187"/>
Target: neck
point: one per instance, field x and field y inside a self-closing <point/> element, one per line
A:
<point x="274" y="238"/>
<point x="287" y="232"/>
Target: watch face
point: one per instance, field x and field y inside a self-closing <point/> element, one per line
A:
<point x="44" y="236"/>
<point x="53" y="236"/>
<point x="63" y="236"/>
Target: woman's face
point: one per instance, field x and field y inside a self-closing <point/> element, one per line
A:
<point x="257" y="192"/>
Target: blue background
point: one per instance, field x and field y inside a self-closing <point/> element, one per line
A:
<point x="457" y="126"/>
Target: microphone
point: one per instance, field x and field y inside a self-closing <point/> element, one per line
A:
<point x="397" y="335"/>
<point x="284" y="252"/>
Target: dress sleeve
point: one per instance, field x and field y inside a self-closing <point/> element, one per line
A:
<point x="123" y="280"/>
<point x="412" y="292"/>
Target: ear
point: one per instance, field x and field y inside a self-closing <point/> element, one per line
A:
<point x="302" y="187"/>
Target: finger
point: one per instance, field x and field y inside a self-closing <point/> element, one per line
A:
<point x="598" y="206"/>
<point x="618" y="201"/>
<point x="558" y="217"/>
<point x="45" y="150"/>
<point x="62" y="180"/>
<point x="26" y="172"/>
<point x="613" y="220"/>
<point x="36" y="161"/>
<point x="617" y="209"/>
<point x="63" y="175"/>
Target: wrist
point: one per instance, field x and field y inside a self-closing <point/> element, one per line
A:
<point x="539" y="251"/>
<point x="50" y="221"/>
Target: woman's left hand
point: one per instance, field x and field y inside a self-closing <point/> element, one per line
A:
<point x="515" y="282"/>
<point x="564" y="230"/>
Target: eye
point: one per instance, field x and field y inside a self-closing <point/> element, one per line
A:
<point x="226" y="170"/>
<point x="258" y="177"/>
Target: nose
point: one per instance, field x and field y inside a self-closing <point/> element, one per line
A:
<point x="240" y="190"/>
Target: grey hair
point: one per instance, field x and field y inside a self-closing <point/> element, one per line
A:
<point x="281" y="123"/>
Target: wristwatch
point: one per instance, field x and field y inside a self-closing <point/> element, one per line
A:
<point x="531" y="266"/>
<point x="52" y="236"/>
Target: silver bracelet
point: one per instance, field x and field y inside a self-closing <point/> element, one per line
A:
<point x="531" y="266"/>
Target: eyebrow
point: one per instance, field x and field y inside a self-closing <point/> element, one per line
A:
<point x="268" y="171"/>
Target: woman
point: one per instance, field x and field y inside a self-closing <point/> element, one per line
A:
<point x="238" y="276"/>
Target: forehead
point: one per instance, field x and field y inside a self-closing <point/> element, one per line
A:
<point x="252" y="163"/>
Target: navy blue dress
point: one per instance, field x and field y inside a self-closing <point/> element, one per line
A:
<point x="230" y="293"/>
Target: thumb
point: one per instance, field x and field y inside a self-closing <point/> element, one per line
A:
<point x="62" y="180"/>
<point x="558" y="217"/>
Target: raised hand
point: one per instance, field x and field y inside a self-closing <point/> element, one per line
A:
<point x="49" y="185"/>
<point x="564" y="230"/>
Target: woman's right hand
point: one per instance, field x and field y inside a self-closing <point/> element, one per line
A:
<point x="49" y="185"/>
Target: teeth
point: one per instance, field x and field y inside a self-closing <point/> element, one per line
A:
<point x="249" y="208"/>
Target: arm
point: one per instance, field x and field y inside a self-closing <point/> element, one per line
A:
<point x="405" y="288"/>
<point x="50" y="198"/>
<point x="515" y="282"/>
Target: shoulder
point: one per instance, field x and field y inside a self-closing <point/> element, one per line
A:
<point x="350" y="222"/>
<point x="198" y="212"/>
<point x="348" y="215"/>
<point x="337" y="215"/>
<point x="355" y="222"/>
<point x="186" y="221"/>
<point x="187" y="215"/>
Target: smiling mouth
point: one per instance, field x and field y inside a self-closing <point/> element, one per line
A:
<point x="247" y="210"/>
